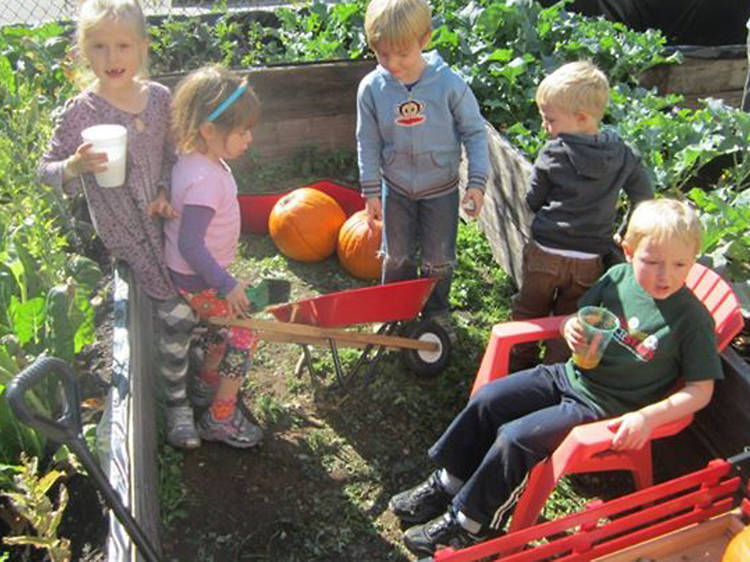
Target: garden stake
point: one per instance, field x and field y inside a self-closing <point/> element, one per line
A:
<point x="68" y="430"/>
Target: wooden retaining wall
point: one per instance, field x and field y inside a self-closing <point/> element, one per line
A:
<point x="302" y="105"/>
<point x="698" y="78"/>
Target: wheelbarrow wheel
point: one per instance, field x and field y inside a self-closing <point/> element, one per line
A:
<point x="427" y="364"/>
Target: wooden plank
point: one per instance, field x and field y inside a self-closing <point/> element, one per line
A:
<point x="143" y="437"/>
<point x="302" y="105"/>
<point x="702" y="541"/>
<point x="698" y="76"/>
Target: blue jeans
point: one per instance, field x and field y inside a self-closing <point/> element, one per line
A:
<point x="425" y="229"/>
<point x="507" y="427"/>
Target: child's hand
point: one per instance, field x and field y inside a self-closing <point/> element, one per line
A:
<point x="374" y="211"/>
<point x="237" y="300"/>
<point x="85" y="160"/>
<point x="573" y="333"/>
<point x="160" y="207"/>
<point x="632" y="431"/>
<point x="473" y="201"/>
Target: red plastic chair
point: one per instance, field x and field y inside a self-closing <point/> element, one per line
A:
<point x="586" y="448"/>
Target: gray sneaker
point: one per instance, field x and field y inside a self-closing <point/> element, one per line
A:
<point x="180" y="430"/>
<point x="235" y="431"/>
<point x="202" y="393"/>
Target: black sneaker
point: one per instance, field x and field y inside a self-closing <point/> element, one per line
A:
<point x="442" y="531"/>
<point x="422" y="502"/>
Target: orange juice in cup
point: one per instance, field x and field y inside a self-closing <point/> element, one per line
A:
<point x="599" y="325"/>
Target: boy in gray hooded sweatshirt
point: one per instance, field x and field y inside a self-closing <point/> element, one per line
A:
<point x="574" y="189"/>
<point x="413" y="115"/>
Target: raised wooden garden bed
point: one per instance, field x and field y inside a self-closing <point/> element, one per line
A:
<point x="705" y="72"/>
<point x="313" y="105"/>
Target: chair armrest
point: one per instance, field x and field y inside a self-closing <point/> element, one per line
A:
<point x="507" y="334"/>
<point x="586" y="441"/>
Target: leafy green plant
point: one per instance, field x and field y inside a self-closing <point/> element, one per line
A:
<point x="43" y="518"/>
<point x="171" y="487"/>
<point x="725" y="215"/>
<point x="45" y="288"/>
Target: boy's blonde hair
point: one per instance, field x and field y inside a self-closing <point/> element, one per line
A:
<point x="576" y="86"/>
<point x="396" y="22"/>
<point x="664" y="219"/>
<point x="199" y="94"/>
<point x="93" y="12"/>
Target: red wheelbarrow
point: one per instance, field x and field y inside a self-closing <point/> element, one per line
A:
<point x="424" y="344"/>
<point x="323" y="320"/>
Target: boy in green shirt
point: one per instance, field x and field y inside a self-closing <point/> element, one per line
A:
<point x="514" y="422"/>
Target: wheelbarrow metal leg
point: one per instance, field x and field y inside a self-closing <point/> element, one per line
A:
<point x="305" y="360"/>
<point x="336" y="361"/>
<point x="372" y="362"/>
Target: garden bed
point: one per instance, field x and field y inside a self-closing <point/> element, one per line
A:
<point x="318" y="487"/>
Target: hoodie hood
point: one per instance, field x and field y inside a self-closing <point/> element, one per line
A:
<point x="434" y="66"/>
<point x="594" y="156"/>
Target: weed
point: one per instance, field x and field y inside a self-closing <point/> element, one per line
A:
<point x="268" y="408"/>
<point x="171" y="487"/>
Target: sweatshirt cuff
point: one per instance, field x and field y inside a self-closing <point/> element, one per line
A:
<point x="371" y="190"/>
<point x="227" y="283"/>
<point x="479" y="182"/>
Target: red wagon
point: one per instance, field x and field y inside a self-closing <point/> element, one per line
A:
<point x="691" y="518"/>
<point x="324" y="320"/>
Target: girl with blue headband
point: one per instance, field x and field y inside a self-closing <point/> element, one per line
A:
<point x="213" y="111"/>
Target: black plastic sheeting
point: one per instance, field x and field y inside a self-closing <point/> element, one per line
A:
<point x="683" y="22"/>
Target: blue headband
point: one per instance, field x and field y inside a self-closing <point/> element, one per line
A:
<point x="227" y="102"/>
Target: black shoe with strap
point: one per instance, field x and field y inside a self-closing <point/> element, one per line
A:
<point x="422" y="502"/>
<point x="441" y="531"/>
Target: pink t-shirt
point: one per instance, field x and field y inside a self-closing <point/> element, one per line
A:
<point x="198" y="180"/>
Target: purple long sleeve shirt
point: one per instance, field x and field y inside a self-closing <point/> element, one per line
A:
<point x="119" y="213"/>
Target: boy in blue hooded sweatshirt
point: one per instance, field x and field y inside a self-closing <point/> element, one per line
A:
<point x="574" y="188"/>
<point x="413" y="115"/>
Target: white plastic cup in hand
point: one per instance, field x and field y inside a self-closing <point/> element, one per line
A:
<point x="599" y="325"/>
<point x="112" y="139"/>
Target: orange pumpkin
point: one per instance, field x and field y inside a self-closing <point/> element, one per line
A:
<point x="738" y="549"/>
<point x="359" y="245"/>
<point x="304" y="224"/>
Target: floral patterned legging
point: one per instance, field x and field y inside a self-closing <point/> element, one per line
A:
<point x="228" y="349"/>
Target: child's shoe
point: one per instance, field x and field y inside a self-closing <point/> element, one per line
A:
<point x="235" y="431"/>
<point x="421" y="503"/>
<point x="180" y="430"/>
<point x="441" y="531"/>
<point x="202" y="393"/>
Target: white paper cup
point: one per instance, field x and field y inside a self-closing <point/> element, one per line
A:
<point x="112" y="139"/>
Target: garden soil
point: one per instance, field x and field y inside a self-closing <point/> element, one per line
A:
<point x="318" y="486"/>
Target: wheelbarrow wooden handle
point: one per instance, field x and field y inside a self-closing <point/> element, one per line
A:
<point x="305" y="333"/>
